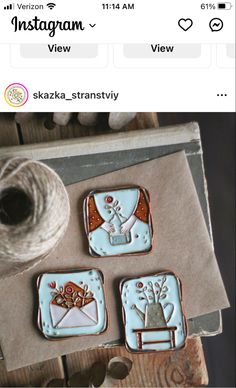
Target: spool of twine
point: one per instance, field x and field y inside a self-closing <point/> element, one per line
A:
<point x="34" y="213"/>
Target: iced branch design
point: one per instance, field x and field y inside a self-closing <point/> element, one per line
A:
<point x="153" y="292"/>
<point x="70" y="297"/>
<point x="115" y="208"/>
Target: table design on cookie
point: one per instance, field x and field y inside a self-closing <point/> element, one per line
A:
<point x="118" y="221"/>
<point x="152" y="312"/>
<point x="71" y="303"/>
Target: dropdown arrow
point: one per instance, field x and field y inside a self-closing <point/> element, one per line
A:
<point x="92" y="25"/>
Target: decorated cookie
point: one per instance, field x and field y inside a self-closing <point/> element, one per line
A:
<point x="152" y="313"/>
<point x="118" y="222"/>
<point x="71" y="303"/>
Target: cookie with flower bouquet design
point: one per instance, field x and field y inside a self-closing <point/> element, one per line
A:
<point x="152" y="312"/>
<point x="118" y="221"/>
<point x="71" y="303"/>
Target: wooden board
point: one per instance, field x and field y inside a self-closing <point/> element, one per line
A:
<point x="35" y="375"/>
<point x="8" y="130"/>
<point x="35" y="130"/>
<point x="183" y="368"/>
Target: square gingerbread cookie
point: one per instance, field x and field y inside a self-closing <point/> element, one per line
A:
<point x="152" y="313"/>
<point x="118" y="222"/>
<point x="71" y="303"/>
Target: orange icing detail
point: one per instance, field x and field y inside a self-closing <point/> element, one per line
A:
<point x="94" y="223"/>
<point x="142" y="210"/>
<point x="81" y="302"/>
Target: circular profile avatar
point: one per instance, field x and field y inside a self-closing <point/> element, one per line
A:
<point x="16" y="95"/>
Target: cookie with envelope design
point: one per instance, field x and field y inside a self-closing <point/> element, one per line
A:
<point x="118" y="221"/>
<point x="71" y="303"/>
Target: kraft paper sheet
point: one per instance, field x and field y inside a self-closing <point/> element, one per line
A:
<point x="181" y="244"/>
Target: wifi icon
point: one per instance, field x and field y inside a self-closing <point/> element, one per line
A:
<point x="51" y="5"/>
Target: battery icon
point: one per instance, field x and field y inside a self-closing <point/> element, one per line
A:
<point x="224" y="6"/>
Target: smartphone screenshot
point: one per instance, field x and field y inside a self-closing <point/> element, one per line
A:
<point x="117" y="193"/>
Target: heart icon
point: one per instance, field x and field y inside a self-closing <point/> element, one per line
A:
<point x="185" y="24"/>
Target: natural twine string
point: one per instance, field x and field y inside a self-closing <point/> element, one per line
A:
<point x="26" y="243"/>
